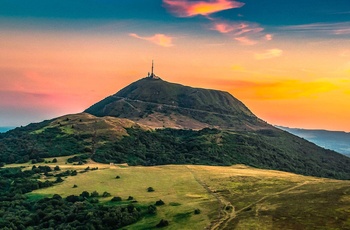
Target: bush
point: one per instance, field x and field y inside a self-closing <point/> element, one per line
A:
<point x="116" y="199"/>
<point x="197" y="211"/>
<point x="106" y="194"/>
<point x="130" y="198"/>
<point x="94" y="194"/>
<point x="150" y="189"/>
<point x="54" y="160"/>
<point x="159" y="202"/>
<point x="117" y="177"/>
<point x="59" y="179"/>
<point x="151" y="209"/>
<point x="85" y="194"/>
<point x="162" y="223"/>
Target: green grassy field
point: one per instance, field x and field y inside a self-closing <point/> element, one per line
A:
<point x="236" y="197"/>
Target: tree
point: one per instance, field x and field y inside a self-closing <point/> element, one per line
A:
<point x="85" y="194"/>
<point x="94" y="194"/>
<point x="57" y="168"/>
<point x="54" y="160"/>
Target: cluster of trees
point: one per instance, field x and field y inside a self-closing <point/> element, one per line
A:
<point x="72" y="212"/>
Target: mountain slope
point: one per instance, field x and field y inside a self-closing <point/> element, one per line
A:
<point x="156" y="100"/>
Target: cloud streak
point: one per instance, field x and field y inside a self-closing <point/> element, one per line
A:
<point x="158" y="39"/>
<point x="268" y="54"/>
<point x="246" y="33"/>
<point x="186" y="8"/>
<point x="340" y="28"/>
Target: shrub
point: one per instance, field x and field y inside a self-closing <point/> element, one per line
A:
<point x="159" y="202"/>
<point x="85" y="194"/>
<point x="94" y="194"/>
<point x="197" y="211"/>
<point x="162" y="223"/>
<point x="106" y="194"/>
<point x="150" y="189"/>
<point x="151" y="209"/>
<point x="116" y="199"/>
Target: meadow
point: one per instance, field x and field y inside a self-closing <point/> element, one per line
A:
<point x="232" y="197"/>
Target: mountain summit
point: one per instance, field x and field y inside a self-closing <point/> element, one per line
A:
<point x="155" y="102"/>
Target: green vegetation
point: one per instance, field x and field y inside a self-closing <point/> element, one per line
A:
<point x="269" y="149"/>
<point x="196" y="197"/>
<point x="40" y="212"/>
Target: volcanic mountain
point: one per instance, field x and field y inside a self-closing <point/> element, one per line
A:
<point x="154" y="102"/>
<point x="154" y="122"/>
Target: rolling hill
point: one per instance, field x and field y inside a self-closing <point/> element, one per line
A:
<point x="154" y="122"/>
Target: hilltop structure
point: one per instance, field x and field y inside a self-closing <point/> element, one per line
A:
<point x="152" y="74"/>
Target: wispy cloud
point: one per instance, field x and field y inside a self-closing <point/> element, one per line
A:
<point x="236" y="28"/>
<point x="187" y="8"/>
<point x="246" y="33"/>
<point x="272" y="53"/>
<point x="245" y="41"/>
<point x="159" y="39"/>
<point x="340" y="28"/>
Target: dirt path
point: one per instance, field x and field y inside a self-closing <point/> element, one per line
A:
<point x="226" y="210"/>
<point x="224" y="223"/>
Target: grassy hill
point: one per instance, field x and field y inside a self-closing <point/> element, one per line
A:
<point x="149" y="99"/>
<point x="119" y="140"/>
<point x="235" y="197"/>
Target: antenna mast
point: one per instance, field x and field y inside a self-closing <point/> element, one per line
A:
<point x="152" y="69"/>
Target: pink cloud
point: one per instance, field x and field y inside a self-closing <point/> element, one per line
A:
<point x="272" y="53"/>
<point x="244" y="32"/>
<point x="245" y="41"/>
<point x="159" y="39"/>
<point x="186" y="8"/>
<point x="268" y="37"/>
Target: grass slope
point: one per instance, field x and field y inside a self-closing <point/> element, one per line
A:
<point x="235" y="197"/>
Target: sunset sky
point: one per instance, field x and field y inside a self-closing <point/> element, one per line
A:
<point x="288" y="61"/>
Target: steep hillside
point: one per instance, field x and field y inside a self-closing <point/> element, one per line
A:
<point x="162" y="104"/>
<point x="119" y="140"/>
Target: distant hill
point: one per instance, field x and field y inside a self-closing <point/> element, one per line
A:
<point x="154" y="122"/>
<point x="335" y="140"/>
<point x="5" y="129"/>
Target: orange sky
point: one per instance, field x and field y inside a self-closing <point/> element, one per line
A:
<point x="285" y="74"/>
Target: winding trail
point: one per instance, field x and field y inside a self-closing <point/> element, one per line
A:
<point x="225" y="223"/>
<point x="226" y="211"/>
